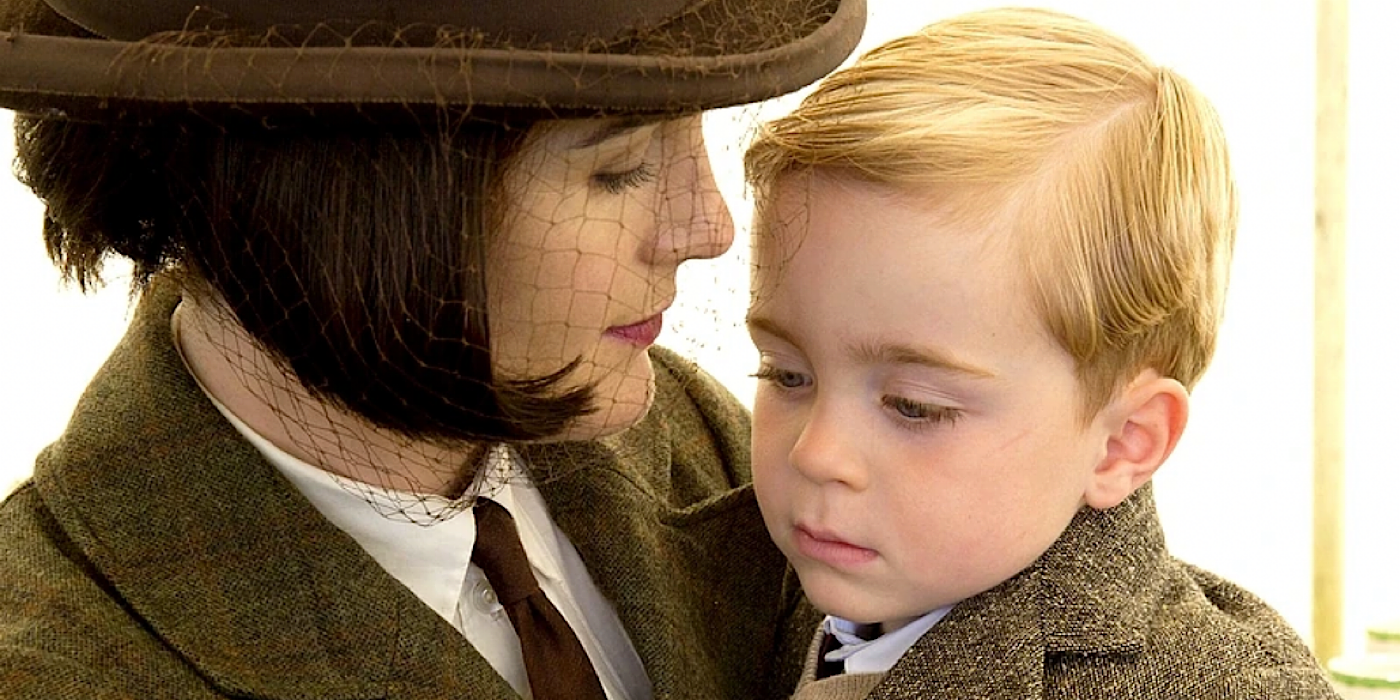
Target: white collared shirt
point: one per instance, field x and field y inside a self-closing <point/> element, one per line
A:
<point x="433" y="560"/>
<point x="878" y="654"/>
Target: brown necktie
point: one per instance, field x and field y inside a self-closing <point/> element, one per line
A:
<point x="555" y="662"/>
<point x="827" y="669"/>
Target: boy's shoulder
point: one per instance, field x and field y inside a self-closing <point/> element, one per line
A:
<point x="1202" y="638"/>
<point x="1107" y="613"/>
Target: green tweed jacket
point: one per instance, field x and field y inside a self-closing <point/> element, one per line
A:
<point x="154" y="554"/>
<point x="1104" y="614"/>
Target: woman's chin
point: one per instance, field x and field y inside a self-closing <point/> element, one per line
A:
<point x="619" y="404"/>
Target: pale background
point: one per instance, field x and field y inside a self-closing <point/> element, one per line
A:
<point x="1236" y="497"/>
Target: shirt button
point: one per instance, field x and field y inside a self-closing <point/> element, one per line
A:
<point x="484" y="599"/>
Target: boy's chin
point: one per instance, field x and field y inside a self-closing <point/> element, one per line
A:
<point x="862" y="605"/>
<point x="850" y="603"/>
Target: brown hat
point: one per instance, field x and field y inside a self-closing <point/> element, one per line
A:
<point x="138" y="60"/>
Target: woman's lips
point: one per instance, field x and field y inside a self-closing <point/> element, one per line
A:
<point x="830" y="550"/>
<point x="641" y="334"/>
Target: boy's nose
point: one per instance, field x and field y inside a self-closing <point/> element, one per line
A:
<point x="826" y="451"/>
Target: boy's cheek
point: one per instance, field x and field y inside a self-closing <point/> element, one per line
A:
<point x="770" y="490"/>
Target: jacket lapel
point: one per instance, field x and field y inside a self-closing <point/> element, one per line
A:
<point x="221" y="558"/>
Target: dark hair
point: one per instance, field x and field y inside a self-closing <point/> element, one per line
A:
<point x="356" y="258"/>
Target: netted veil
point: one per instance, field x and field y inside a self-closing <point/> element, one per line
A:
<point x="402" y="239"/>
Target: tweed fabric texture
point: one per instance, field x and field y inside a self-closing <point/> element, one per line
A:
<point x="156" y="555"/>
<point x="1106" y="613"/>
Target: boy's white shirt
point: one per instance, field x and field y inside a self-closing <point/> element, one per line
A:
<point x="426" y="543"/>
<point x="877" y="655"/>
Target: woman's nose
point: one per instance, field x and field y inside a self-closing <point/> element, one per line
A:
<point x="693" y="219"/>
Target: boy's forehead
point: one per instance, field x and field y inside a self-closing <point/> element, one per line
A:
<point x="989" y="211"/>
<point x="829" y="223"/>
<point x="866" y="273"/>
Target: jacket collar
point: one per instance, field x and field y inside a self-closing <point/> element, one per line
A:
<point x="1089" y="594"/>
<point x="1103" y="578"/>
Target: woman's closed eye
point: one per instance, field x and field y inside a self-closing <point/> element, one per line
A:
<point x="623" y="180"/>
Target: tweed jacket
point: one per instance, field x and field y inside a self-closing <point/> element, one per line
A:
<point x="1104" y="614"/>
<point x="154" y="554"/>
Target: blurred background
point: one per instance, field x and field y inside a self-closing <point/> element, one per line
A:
<point x="1236" y="498"/>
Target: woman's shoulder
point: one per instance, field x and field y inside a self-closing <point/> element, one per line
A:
<point x="692" y="402"/>
<point x="64" y="633"/>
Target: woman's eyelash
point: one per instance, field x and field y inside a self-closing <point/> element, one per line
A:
<point x="617" y="183"/>
<point x="918" y="414"/>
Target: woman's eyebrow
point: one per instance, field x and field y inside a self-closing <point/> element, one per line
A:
<point x="613" y="129"/>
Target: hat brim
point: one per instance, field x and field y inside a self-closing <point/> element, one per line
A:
<point x="92" y="79"/>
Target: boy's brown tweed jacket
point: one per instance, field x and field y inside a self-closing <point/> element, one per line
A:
<point x="155" y="555"/>
<point x="1104" y="614"/>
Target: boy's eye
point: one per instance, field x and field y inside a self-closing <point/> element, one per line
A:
<point x="919" y="412"/>
<point x="782" y="378"/>
<point x="619" y="182"/>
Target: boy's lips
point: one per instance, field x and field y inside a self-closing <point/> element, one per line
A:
<point x="828" y="548"/>
<point x="641" y="334"/>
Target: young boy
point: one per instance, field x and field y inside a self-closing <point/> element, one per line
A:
<point x="989" y="267"/>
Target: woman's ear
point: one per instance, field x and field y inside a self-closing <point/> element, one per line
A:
<point x="1145" y="422"/>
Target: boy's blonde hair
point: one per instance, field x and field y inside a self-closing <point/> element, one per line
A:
<point x="1113" y="171"/>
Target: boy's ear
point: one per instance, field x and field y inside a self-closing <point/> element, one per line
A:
<point x="1144" y="423"/>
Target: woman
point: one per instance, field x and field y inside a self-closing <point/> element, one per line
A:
<point x="398" y="264"/>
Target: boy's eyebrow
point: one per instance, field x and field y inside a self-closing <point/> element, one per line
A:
<point x="884" y="352"/>
<point x="923" y="356"/>
<point x="766" y="325"/>
<point x="612" y="129"/>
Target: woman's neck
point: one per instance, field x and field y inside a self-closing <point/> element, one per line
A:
<point x="250" y="384"/>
